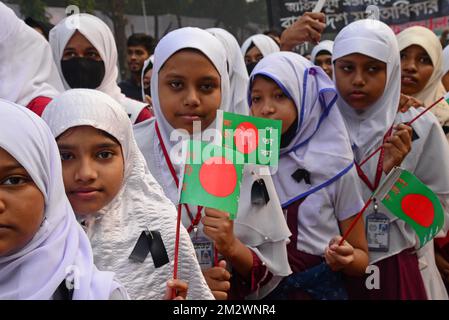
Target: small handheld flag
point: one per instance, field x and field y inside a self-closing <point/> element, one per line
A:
<point x="405" y="196"/>
<point x="211" y="177"/>
<point x="258" y="139"/>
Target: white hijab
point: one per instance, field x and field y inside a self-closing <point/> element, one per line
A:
<point x="427" y="158"/>
<point x="101" y="37"/>
<point x="434" y="88"/>
<point x="374" y="39"/>
<point x="263" y="229"/>
<point x="147" y="62"/>
<point x="60" y="245"/>
<point x="321" y="144"/>
<point x="445" y="60"/>
<point x="140" y="204"/>
<point x="325" y="45"/>
<point x="238" y="75"/>
<point x="27" y="70"/>
<point x="264" y="43"/>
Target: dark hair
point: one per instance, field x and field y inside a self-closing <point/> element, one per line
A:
<point x="272" y="32"/>
<point x="142" y="39"/>
<point x="44" y="26"/>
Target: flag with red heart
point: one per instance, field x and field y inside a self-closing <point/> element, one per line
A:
<point x="258" y="139"/>
<point x="405" y="196"/>
<point x="211" y="177"/>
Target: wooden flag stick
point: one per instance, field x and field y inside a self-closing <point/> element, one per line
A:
<point x="175" y="267"/>
<point x="408" y="123"/>
<point x="359" y="215"/>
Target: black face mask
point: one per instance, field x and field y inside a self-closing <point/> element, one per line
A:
<point x="83" y="73"/>
<point x="250" y="67"/>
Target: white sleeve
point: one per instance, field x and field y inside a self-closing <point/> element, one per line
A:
<point x="346" y="195"/>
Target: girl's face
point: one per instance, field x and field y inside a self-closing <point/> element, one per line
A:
<point x="253" y="55"/>
<point x="417" y="68"/>
<point x="92" y="166"/>
<point x="324" y="60"/>
<point x="360" y="79"/>
<point x="269" y="101"/>
<point x="189" y="90"/>
<point x="79" y="47"/>
<point x="22" y="206"/>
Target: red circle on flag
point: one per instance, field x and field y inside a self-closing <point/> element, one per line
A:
<point x="246" y="137"/>
<point x="419" y="208"/>
<point x="218" y="176"/>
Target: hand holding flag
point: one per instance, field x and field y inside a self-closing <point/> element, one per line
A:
<point x="446" y="98"/>
<point x="220" y="229"/>
<point x="397" y="147"/>
<point x="406" y="197"/>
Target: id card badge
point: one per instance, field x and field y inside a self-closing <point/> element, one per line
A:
<point x="378" y="231"/>
<point x="204" y="249"/>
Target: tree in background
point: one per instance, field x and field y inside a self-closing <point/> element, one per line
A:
<point x="34" y="9"/>
<point x="240" y="17"/>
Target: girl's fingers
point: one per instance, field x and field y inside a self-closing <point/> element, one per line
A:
<point x="213" y="213"/>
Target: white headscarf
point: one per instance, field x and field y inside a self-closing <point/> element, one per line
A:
<point x="101" y="37"/>
<point x="434" y="88"/>
<point x="60" y="246"/>
<point x="238" y="75"/>
<point x="325" y="45"/>
<point x="264" y="43"/>
<point x="445" y="60"/>
<point x="376" y="40"/>
<point x="429" y="157"/>
<point x="27" y="70"/>
<point x="140" y="204"/>
<point x="321" y="144"/>
<point x="263" y="229"/>
<point x="147" y="62"/>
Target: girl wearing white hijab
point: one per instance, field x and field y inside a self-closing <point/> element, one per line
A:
<point x="322" y="56"/>
<point x="259" y="233"/>
<point x="57" y="252"/>
<point x="89" y="71"/>
<point x="424" y="40"/>
<point x="316" y="180"/>
<point x="238" y="76"/>
<point x="367" y="76"/>
<point x="257" y="47"/>
<point x="139" y="205"/>
<point x="28" y="74"/>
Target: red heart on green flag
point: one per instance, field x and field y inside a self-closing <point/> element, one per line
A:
<point x="246" y="137"/>
<point x="218" y="176"/>
<point x="419" y="208"/>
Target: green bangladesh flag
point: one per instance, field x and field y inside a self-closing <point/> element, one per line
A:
<point x="211" y="177"/>
<point x="405" y="196"/>
<point x="258" y="139"/>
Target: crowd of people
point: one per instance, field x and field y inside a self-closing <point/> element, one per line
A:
<point x="89" y="178"/>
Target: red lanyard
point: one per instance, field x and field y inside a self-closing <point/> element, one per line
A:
<point x="379" y="170"/>
<point x="194" y="221"/>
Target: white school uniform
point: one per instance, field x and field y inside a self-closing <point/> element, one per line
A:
<point x="321" y="146"/>
<point x="140" y="204"/>
<point x="60" y="249"/>
<point x="263" y="230"/>
<point x="367" y="129"/>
